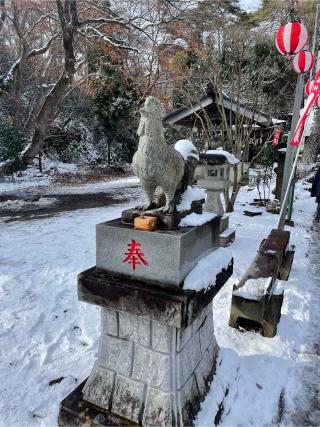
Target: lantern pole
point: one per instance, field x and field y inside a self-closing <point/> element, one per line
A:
<point x="282" y="214"/>
<point x="290" y="152"/>
<point x="315" y="46"/>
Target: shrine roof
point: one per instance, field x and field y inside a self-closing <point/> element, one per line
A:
<point x="261" y="119"/>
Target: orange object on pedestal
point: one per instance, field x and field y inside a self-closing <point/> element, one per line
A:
<point x="145" y="223"/>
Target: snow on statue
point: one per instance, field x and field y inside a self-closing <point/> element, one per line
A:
<point x="156" y="163"/>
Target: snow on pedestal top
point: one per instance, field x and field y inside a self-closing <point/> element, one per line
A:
<point x="203" y="275"/>
<point x="186" y="149"/>
<point x="190" y="195"/>
<point x="194" y="219"/>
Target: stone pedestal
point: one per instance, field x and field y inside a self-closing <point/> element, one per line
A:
<point x="213" y="189"/>
<point x="170" y="255"/>
<point x="157" y="348"/>
<point x="213" y="202"/>
<point x="156" y="357"/>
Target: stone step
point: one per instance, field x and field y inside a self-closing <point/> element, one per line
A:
<point x="227" y="237"/>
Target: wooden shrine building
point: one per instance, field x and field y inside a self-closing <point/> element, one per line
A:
<point x="198" y="113"/>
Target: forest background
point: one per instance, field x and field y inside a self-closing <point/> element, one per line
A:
<point x="74" y="73"/>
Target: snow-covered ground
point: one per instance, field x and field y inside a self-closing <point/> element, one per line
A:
<point x="33" y="181"/>
<point x="258" y="379"/>
<point x="47" y="334"/>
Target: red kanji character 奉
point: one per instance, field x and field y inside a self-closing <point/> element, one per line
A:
<point x="134" y="256"/>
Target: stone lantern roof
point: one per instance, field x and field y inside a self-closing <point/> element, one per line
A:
<point x="219" y="157"/>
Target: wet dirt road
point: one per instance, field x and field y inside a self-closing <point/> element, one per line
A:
<point x="32" y="205"/>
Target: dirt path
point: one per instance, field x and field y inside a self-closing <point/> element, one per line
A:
<point x="23" y="207"/>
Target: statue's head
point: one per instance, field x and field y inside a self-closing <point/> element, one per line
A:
<point x="152" y="114"/>
<point x="152" y="106"/>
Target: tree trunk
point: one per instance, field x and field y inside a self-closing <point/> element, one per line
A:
<point x="235" y="188"/>
<point x="44" y="118"/>
<point x="68" y="20"/>
<point x="19" y="78"/>
<point x="109" y="152"/>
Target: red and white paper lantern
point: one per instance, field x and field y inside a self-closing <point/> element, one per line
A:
<point x="308" y="87"/>
<point x="303" y="62"/>
<point x="291" y="38"/>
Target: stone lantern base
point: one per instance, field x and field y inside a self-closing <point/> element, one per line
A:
<point x="157" y="353"/>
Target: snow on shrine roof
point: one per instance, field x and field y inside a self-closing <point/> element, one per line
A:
<point x="230" y="158"/>
<point x="276" y="121"/>
<point x="262" y="119"/>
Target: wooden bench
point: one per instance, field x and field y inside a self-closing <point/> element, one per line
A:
<point x="257" y="298"/>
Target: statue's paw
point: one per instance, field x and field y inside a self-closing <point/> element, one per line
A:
<point x="146" y="206"/>
<point x="169" y="208"/>
<point x="142" y="207"/>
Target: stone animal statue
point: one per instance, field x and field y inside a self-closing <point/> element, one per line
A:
<point x="155" y="162"/>
<point x="190" y="164"/>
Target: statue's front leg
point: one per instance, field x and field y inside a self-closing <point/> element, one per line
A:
<point x="170" y="205"/>
<point x="148" y="196"/>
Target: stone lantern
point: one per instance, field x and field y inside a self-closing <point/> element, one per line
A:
<point x="213" y="175"/>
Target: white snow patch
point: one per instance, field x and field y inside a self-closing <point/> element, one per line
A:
<point x="231" y="159"/>
<point x="277" y="121"/>
<point x="190" y="195"/>
<point x="254" y="289"/>
<point x="204" y="273"/>
<point x="186" y="149"/>
<point x="20" y="203"/>
<point x="97" y="187"/>
<point x="194" y="219"/>
<point x="279" y="288"/>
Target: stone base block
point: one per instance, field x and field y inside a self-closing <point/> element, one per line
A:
<point x="151" y="373"/>
<point x="165" y="221"/>
<point x="289" y="222"/>
<point x="224" y="223"/>
<point x="164" y="256"/>
<point x="75" y="412"/>
<point x="213" y="202"/>
<point x="227" y="237"/>
<point x="166" y="304"/>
